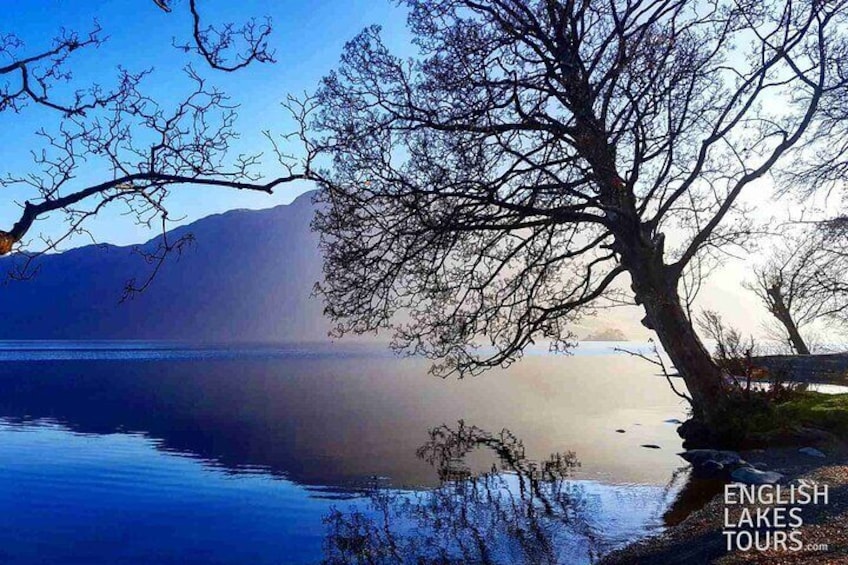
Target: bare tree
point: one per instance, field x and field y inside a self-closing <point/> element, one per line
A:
<point x="537" y="154"/>
<point x="145" y="147"/>
<point x="733" y="352"/>
<point x="803" y="282"/>
<point x="833" y="276"/>
<point x="730" y="345"/>
<point x="820" y="163"/>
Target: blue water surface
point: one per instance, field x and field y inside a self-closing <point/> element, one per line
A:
<point x="146" y="452"/>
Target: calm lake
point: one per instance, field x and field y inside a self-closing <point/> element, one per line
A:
<point x="170" y="453"/>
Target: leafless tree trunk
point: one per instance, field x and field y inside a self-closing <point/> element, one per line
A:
<point x="499" y="185"/>
<point x="803" y="282"/>
<point x="781" y="312"/>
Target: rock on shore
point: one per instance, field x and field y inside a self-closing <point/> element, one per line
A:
<point x="699" y="538"/>
<point x="728" y="465"/>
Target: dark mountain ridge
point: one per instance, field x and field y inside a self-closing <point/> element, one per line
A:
<point x="248" y="277"/>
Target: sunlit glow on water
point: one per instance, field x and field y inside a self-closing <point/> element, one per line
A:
<point x="162" y="453"/>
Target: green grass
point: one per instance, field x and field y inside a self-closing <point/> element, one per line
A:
<point x="759" y="421"/>
<point x="827" y="412"/>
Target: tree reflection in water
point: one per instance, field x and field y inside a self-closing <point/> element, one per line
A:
<point x="518" y="511"/>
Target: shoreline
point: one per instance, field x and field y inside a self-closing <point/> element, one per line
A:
<point x="699" y="538"/>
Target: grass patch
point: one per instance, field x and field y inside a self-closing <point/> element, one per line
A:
<point x="796" y="418"/>
<point x="827" y="412"/>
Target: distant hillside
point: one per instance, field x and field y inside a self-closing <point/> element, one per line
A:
<point x="248" y="278"/>
<point x="606" y="334"/>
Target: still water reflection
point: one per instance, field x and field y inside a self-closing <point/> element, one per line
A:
<point x="174" y="454"/>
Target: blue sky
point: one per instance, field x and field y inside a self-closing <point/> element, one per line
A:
<point x="308" y="38"/>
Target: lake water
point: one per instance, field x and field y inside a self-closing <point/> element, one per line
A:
<point x="171" y="453"/>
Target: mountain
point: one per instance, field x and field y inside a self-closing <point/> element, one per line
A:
<point x="248" y="277"/>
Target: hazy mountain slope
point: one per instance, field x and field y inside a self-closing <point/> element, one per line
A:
<point x="248" y="278"/>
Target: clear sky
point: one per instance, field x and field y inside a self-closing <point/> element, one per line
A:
<point x="308" y="38"/>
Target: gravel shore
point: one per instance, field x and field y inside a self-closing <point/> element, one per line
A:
<point x="699" y="538"/>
